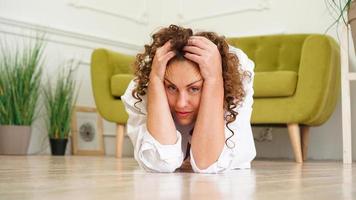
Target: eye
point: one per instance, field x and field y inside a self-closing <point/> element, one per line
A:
<point x="171" y="88"/>
<point x="194" y="89"/>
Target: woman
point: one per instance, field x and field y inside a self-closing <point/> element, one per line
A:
<point x="191" y="103"/>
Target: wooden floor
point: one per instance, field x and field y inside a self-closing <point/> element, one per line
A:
<point x="76" y="177"/>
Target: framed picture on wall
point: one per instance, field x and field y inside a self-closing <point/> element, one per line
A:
<point x="87" y="132"/>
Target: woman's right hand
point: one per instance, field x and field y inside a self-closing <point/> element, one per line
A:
<point x="160" y="60"/>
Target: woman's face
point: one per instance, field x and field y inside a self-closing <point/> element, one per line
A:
<point x="183" y="84"/>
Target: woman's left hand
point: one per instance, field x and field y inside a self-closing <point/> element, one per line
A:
<point x="206" y="54"/>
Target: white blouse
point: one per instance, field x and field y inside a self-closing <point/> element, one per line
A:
<point x="155" y="157"/>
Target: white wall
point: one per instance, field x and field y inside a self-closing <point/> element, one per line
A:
<point x="75" y="28"/>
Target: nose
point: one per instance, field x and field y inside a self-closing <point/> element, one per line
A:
<point x="182" y="100"/>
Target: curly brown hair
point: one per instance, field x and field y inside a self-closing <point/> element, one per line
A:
<point x="232" y="75"/>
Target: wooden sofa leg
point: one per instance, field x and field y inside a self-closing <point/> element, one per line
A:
<point x="294" y="136"/>
<point x="305" y="140"/>
<point x="119" y="139"/>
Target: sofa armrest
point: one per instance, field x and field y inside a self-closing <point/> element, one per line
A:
<point x="318" y="78"/>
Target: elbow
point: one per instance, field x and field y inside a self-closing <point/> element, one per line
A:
<point x="206" y="166"/>
<point x="169" y="168"/>
<point x="162" y="167"/>
<point x="220" y="164"/>
<point x="151" y="162"/>
<point x="155" y="157"/>
<point x="202" y="161"/>
<point x="203" y="164"/>
<point x="209" y="168"/>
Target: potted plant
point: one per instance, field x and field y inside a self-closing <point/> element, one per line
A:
<point x="20" y="79"/>
<point x="344" y="11"/>
<point x="59" y="102"/>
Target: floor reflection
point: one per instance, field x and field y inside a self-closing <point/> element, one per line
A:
<point x="236" y="184"/>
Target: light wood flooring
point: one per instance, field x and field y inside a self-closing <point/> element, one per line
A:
<point x="79" y="177"/>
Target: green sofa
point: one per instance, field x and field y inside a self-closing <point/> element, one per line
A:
<point x="111" y="73"/>
<point x="297" y="81"/>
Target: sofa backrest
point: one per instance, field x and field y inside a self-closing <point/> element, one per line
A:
<point x="122" y="63"/>
<point x="273" y="52"/>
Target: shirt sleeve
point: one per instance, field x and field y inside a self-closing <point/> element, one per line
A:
<point x="241" y="147"/>
<point x="148" y="152"/>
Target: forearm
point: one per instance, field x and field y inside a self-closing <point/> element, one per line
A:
<point x="159" y="119"/>
<point x="208" y="136"/>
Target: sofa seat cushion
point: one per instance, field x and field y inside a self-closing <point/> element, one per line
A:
<point x="275" y="84"/>
<point x="119" y="83"/>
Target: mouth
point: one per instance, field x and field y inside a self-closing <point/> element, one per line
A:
<point x="183" y="114"/>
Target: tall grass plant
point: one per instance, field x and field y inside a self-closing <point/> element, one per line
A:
<point x="60" y="100"/>
<point x="20" y="81"/>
